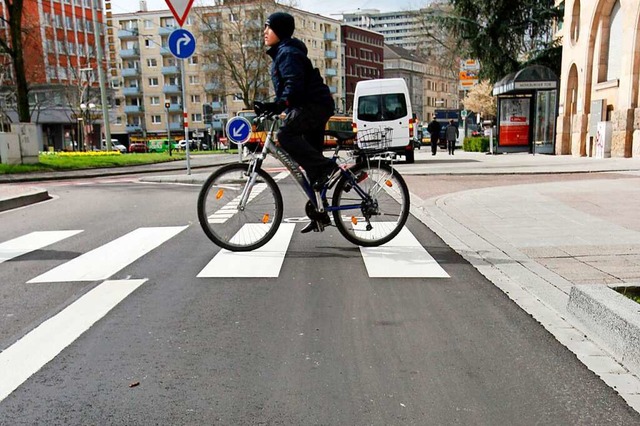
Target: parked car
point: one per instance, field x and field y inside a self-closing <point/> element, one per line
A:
<point x="193" y="145"/>
<point x="115" y="146"/>
<point x="340" y="123"/>
<point x="138" y="146"/>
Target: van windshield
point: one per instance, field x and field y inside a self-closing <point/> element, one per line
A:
<point x="391" y="106"/>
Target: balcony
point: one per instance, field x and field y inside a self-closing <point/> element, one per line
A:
<point x="211" y="87"/>
<point x="164" y="51"/>
<point x="330" y="36"/>
<point x="330" y="54"/>
<point x="128" y="33"/>
<point x="133" y="109"/>
<point x="331" y="72"/>
<point x="175" y="108"/>
<point x="130" y="53"/>
<point x="170" y="70"/>
<point x="130" y="72"/>
<point x="175" y="126"/>
<point x="333" y="89"/>
<point x="163" y="31"/>
<point x="210" y="47"/>
<point x="131" y="91"/>
<point x="216" y="106"/>
<point x="134" y="128"/>
<point x="210" y="26"/>
<point x="171" y="89"/>
<point x="210" y="67"/>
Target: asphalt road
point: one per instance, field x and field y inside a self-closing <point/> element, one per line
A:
<point x="323" y="343"/>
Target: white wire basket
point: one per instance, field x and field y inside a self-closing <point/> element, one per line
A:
<point x="374" y="140"/>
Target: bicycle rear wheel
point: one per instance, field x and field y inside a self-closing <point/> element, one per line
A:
<point x="381" y="214"/>
<point x="231" y="226"/>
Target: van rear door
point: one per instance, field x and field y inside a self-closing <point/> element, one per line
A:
<point x="385" y="110"/>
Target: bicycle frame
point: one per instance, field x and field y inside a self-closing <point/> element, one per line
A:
<point x="317" y="198"/>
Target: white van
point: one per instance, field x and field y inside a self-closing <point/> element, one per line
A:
<point x="386" y="103"/>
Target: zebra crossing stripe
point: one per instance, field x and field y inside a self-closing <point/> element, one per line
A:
<point x="102" y="262"/>
<point x="31" y="242"/>
<point x="402" y="257"/>
<point x="264" y="262"/>
<point x="25" y="357"/>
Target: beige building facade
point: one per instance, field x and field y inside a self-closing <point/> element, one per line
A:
<point x="600" y="78"/>
<point x="149" y="75"/>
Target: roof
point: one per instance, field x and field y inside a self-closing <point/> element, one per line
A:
<point x="533" y="77"/>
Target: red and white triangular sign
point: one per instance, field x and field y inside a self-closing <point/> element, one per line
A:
<point x="180" y="9"/>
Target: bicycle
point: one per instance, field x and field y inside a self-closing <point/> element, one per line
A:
<point x="240" y="206"/>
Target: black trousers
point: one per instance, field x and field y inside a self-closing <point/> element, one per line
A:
<point x="451" y="145"/>
<point x="434" y="145"/>
<point x="302" y="136"/>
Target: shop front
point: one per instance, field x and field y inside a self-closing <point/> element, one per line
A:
<point x="527" y="110"/>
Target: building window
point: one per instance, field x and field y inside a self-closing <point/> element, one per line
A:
<point x="152" y="62"/>
<point x="615" y="39"/>
<point x="195" y="99"/>
<point x="154" y="100"/>
<point x="193" y="60"/>
<point x="153" y="81"/>
<point x="575" y="21"/>
<point x="193" y="79"/>
<point x="156" y="119"/>
<point x="196" y="118"/>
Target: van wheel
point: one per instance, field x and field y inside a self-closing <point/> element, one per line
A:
<point x="409" y="157"/>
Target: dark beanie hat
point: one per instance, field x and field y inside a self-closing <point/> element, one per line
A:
<point x="282" y="24"/>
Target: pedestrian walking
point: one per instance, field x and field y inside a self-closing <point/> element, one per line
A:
<point x="451" y="134"/>
<point x="434" y="131"/>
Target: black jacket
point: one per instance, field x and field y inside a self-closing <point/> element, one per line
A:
<point x="295" y="80"/>
<point x="434" y="129"/>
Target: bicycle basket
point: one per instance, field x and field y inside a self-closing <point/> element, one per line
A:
<point x="374" y="140"/>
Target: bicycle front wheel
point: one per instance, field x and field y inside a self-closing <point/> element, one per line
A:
<point x="231" y="223"/>
<point x="380" y="204"/>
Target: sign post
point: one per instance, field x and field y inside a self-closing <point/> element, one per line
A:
<point x="238" y="132"/>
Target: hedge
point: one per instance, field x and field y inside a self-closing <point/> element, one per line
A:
<point x="476" y="144"/>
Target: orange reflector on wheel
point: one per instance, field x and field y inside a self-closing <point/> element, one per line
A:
<point x="354" y="220"/>
<point x="265" y="218"/>
<point x="219" y="194"/>
<point x="388" y="183"/>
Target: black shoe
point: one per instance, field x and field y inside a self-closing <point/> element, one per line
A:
<point x="314" y="224"/>
<point x="324" y="176"/>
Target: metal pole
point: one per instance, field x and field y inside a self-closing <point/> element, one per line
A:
<point x="166" y="109"/>
<point x="103" y="91"/>
<point x="184" y="114"/>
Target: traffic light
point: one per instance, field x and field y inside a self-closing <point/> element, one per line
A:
<point x="167" y="104"/>
<point x="207" y="113"/>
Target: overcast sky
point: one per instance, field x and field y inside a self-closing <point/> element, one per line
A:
<point x="323" y="7"/>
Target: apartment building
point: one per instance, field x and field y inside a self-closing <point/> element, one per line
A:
<point x="363" y="60"/>
<point x="599" y="79"/>
<point x="227" y="72"/>
<point x="61" y="69"/>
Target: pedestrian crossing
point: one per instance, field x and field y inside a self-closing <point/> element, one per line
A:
<point x="402" y="257"/>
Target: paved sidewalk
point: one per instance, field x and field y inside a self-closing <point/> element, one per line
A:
<point x="552" y="244"/>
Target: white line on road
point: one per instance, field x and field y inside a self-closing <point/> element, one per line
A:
<point x="264" y="262"/>
<point x="31" y="242"/>
<point x="29" y="354"/>
<point x="402" y="257"/>
<point x="104" y="261"/>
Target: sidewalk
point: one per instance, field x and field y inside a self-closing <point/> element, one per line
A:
<point x="553" y="243"/>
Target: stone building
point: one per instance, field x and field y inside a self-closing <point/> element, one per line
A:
<point x="600" y="76"/>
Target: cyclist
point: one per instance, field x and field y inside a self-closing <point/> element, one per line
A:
<point x="305" y="99"/>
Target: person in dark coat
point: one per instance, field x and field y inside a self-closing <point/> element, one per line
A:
<point x="305" y="99"/>
<point x="451" y="134"/>
<point x="434" y="131"/>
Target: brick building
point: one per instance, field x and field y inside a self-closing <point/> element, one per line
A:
<point x="363" y="60"/>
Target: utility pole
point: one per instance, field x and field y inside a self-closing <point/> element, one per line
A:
<point x="103" y="90"/>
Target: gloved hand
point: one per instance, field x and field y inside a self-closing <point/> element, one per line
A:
<point x="269" y="107"/>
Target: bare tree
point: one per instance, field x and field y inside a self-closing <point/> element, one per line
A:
<point x="481" y="100"/>
<point x="233" y="48"/>
<point x="14" y="48"/>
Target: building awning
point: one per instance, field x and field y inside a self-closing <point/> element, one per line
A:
<point x="534" y="77"/>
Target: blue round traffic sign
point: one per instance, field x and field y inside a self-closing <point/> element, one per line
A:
<point x="182" y="43"/>
<point x="238" y="130"/>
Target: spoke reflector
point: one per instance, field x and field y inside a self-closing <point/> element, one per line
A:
<point x="389" y="183"/>
<point x="354" y="220"/>
<point x="265" y="218"/>
<point x="219" y="194"/>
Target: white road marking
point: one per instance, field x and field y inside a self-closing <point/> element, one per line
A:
<point x="25" y="357"/>
<point x="104" y="261"/>
<point x="31" y="242"/>
<point x="402" y="257"/>
<point x="264" y="262"/>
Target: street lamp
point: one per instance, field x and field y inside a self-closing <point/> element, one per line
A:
<point x="86" y="111"/>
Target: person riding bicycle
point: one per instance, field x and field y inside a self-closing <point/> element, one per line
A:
<point x="305" y="99"/>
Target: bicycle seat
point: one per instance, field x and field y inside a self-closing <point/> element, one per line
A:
<point x="340" y="134"/>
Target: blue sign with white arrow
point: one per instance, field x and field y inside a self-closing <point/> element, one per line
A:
<point x="182" y="43"/>
<point x="238" y="130"/>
